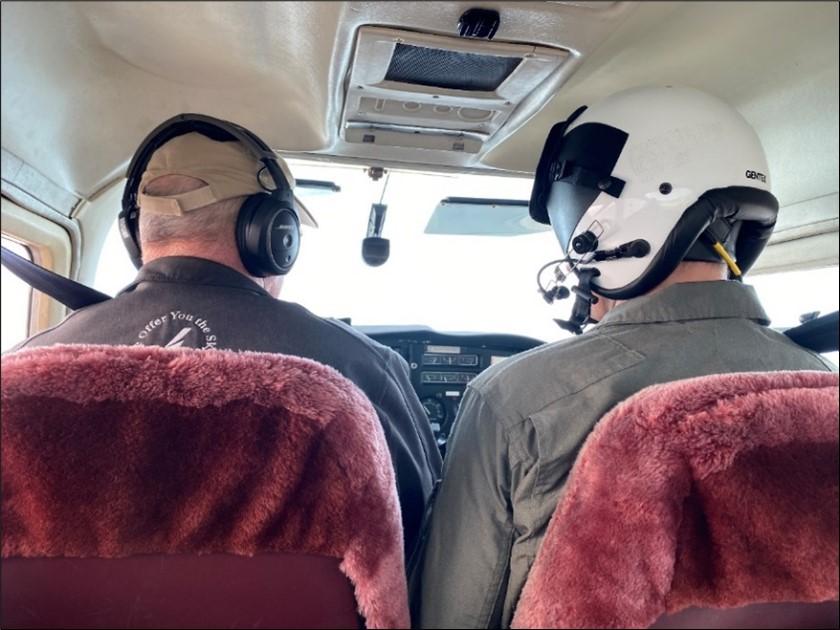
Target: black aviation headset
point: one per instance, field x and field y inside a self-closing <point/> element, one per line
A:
<point x="267" y="227"/>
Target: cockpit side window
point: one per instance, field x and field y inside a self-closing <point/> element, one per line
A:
<point x="16" y="299"/>
<point x="788" y="296"/>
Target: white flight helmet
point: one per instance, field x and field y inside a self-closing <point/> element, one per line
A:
<point x="647" y="178"/>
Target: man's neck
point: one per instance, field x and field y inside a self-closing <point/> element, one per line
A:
<point x="693" y="271"/>
<point x="687" y="271"/>
<point x="209" y="251"/>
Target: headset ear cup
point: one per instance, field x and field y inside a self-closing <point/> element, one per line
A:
<point x="285" y="240"/>
<point x="130" y="239"/>
<point x="243" y="221"/>
<point x="267" y="236"/>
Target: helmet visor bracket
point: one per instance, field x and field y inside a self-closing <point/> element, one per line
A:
<point x="578" y="172"/>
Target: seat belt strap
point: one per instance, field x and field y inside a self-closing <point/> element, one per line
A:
<point x="72" y="294"/>
<point x="819" y="335"/>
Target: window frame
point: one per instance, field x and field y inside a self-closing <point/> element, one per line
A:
<point x="30" y="294"/>
<point x="49" y="246"/>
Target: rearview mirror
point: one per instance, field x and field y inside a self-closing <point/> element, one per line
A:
<point x="316" y="187"/>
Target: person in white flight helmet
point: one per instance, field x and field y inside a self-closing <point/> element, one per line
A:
<point x="660" y="200"/>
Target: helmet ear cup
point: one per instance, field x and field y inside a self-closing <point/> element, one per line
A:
<point x="267" y="236"/>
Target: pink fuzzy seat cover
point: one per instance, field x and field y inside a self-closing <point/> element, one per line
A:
<point x="116" y="451"/>
<point x="714" y="492"/>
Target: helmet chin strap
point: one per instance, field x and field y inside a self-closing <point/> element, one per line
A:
<point x="584" y="299"/>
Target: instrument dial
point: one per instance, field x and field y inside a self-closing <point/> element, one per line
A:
<point x="434" y="410"/>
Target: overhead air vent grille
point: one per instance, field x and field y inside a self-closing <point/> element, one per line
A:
<point x="451" y="69"/>
<point x="426" y="91"/>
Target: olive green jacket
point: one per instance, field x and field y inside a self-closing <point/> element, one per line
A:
<point x="523" y="421"/>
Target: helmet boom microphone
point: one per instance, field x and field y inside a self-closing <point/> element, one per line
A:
<point x="638" y="248"/>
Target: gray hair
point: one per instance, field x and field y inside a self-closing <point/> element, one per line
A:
<point x="208" y="224"/>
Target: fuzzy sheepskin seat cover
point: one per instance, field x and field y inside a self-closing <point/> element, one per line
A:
<point x="111" y="452"/>
<point x="716" y="492"/>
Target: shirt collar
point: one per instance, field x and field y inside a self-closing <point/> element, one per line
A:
<point x="691" y="300"/>
<point x="191" y="270"/>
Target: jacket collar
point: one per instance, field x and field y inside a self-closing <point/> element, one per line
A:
<point x="691" y="301"/>
<point x="191" y="270"/>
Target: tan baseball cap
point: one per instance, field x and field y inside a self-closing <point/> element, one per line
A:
<point x="228" y="169"/>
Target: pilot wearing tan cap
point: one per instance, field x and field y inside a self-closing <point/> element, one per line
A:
<point x="215" y="225"/>
<point x="191" y="192"/>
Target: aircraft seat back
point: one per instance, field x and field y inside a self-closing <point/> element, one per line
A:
<point x="178" y="591"/>
<point x="705" y="501"/>
<point x="194" y="488"/>
<point x="818" y="616"/>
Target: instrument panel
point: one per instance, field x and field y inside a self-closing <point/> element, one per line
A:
<point x="443" y="364"/>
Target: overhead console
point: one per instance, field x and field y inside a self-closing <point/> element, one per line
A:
<point x="418" y="90"/>
<point x="442" y="365"/>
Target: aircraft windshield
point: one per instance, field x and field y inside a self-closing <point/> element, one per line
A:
<point x="449" y="282"/>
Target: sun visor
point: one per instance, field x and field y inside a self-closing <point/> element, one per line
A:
<point x="482" y="217"/>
